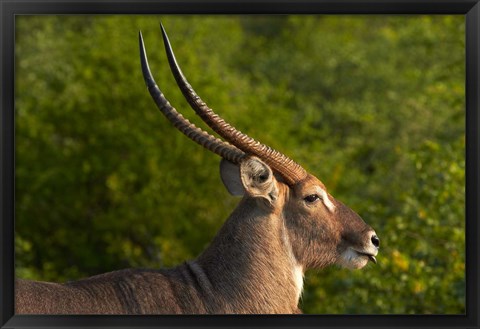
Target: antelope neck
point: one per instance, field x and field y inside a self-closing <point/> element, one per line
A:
<point x="250" y="264"/>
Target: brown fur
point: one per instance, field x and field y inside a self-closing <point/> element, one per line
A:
<point x="248" y="267"/>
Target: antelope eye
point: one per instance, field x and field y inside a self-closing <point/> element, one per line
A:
<point x="311" y="198"/>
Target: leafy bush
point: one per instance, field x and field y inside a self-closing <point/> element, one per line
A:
<point x="374" y="106"/>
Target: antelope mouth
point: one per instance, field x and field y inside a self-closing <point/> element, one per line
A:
<point x="369" y="256"/>
<point x="355" y="259"/>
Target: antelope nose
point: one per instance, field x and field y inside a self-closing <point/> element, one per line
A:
<point x="375" y="240"/>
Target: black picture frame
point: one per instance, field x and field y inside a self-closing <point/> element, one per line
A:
<point x="469" y="8"/>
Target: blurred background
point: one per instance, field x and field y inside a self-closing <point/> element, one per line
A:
<point x="372" y="105"/>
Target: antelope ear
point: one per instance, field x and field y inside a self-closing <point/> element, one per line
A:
<point x="230" y="174"/>
<point x="258" y="180"/>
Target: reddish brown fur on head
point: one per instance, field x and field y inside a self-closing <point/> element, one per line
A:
<point x="321" y="230"/>
<point x="325" y="231"/>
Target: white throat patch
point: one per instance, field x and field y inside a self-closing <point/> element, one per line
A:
<point x="298" y="279"/>
<point x="297" y="269"/>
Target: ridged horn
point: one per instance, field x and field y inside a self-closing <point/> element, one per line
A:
<point x="291" y="171"/>
<point x="225" y="150"/>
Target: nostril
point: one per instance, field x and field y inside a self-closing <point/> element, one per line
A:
<point x="376" y="241"/>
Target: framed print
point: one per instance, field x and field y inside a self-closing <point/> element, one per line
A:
<point x="240" y="165"/>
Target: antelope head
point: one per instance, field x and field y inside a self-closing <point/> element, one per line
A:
<point x="320" y="229"/>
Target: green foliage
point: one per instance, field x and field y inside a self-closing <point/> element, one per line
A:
<point x="372" y="105"/>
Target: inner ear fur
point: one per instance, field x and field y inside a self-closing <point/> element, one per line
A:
<point x="258" y="179"/>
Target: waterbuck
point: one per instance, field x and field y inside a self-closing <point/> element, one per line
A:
<point x="285" y="223"/>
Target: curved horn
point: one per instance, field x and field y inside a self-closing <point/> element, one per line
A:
<point x="225" y="150"/>
<point x="291" y="171"/>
